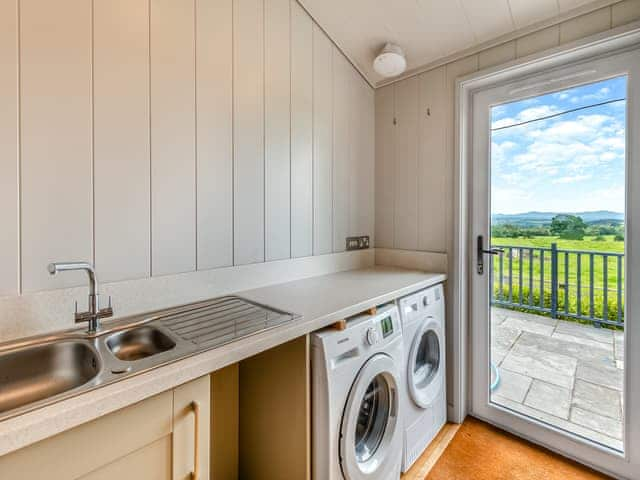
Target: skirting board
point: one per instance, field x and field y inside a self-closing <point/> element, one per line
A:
<point x="51" y="310"/>
<point x="412" y="259"/>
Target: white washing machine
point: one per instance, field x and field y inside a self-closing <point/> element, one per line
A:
<point x="357" y="375"/>
<point x="424" y="403"/>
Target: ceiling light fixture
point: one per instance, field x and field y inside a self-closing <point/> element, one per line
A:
<point x="390" y="62"/>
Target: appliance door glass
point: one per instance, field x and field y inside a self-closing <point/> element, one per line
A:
<point x="425" y="358"/>
<point x="370" y="420"/>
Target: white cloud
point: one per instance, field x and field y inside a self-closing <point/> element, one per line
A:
<point x="571" y="179"/>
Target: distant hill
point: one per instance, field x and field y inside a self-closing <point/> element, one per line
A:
<point x="534" y="219"/>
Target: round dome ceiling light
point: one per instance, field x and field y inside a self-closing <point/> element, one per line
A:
<point x="390" y="62"/>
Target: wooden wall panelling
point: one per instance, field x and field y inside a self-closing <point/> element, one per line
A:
<point x="173" y="165"/>
<point x="432" y="162"/>
<point x="277" y="130"/>
<point x="56" y="190"/>
<point x="9" y="192"/>
<point x="322" y="142"/>
<point x="384" y="166"/>
<point x="214" y="145"/>
<point x="362" y="170"/>
<point x="248" y="121"/>
<point x="343" y="137"/>
<point x="301" y="132"/>
<point x="121" y="139"/>
<point x="406" y="165"/>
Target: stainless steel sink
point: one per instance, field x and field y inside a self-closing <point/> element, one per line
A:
<point x="139" y="343"/>
<point x="38" y="371"/>
<point x="35" y="373"/>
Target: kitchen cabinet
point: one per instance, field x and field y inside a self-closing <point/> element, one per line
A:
<point x="154" y="439"/>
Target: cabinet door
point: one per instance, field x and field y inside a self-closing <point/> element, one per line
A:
<point x="191" y="430"/>
<point x="152" y="462"/>
<point x="105" y="443"/>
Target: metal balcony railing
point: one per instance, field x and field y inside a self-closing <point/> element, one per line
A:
<point x="571" y="284"/>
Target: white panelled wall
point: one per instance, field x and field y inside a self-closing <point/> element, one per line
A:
<point x="157" y="137"/>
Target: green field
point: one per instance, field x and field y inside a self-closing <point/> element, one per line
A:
<point x="567" y="273"/>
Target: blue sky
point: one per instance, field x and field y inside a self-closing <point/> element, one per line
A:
<point x="570" y="163"/>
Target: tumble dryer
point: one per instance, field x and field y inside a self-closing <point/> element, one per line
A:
<point x="424" y="402"/>
<point x="357" y="375"/>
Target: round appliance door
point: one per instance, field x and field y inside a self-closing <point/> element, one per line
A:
<point x="426" y="362"/>
<point x="370" y="428"/>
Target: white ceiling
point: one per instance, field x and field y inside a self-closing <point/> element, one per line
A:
<point x="429" y="30"/>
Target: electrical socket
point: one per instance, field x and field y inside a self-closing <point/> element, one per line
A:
<point x="358" y="243"/>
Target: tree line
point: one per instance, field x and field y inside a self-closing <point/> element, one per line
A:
<point x="567" y="227"/>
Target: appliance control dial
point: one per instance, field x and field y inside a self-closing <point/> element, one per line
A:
<point x="372" y="336"/>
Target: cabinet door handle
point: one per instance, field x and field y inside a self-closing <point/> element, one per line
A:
<point x="195" y="406"/>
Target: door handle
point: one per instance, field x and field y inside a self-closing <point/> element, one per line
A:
<point x="481" y="252"/>
<point x="195" y="475"/>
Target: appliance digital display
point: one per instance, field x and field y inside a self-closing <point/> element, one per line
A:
<point x="387" y="326"/>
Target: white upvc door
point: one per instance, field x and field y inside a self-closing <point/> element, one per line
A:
<point x="625" y="464"/>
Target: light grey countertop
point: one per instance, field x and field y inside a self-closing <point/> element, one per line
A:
<point x="321" y="301"/>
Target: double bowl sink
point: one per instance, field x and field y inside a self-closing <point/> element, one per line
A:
<point x="42" y="370"/>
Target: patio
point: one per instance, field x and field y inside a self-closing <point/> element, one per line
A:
<point x="563" y="373"/>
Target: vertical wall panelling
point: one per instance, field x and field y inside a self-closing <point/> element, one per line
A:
<point x="248" y="137"/>
<point x="322" y="142"/>
<point x="385" y="166"/>
<point x="362" y="168"/>
<point x="56" y="193"/>
<point x="366" y="165"/>
<point x="173" y="183"/>
<point x="277" y="163"/>
<point x="9" y="208"/>
<point x="214" y="94"/>
<point x="301" y="132"/>
<point x="406" y="159"/>
<point x="121" y="138"/>
<point x="432" y="161"/>
<point x="343" y="136"/>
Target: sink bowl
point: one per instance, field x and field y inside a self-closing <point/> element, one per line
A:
<point x="139" y="343"/>
<point x="36" y="373"/>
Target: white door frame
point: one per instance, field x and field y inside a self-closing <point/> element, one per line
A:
<point x="614" y="41"/>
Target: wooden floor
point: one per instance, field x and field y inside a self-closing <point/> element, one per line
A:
<point x="478" y="451"/>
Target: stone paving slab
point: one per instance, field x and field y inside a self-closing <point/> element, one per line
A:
<point x="600" y="374"/>
<point x="603" y="335"/>
<point x="563" y="347"/>
<point x="549" y="398"/>
<point x="502" y="339"/>
<point x="547" y="366"/>
<point x="512" y="386"/>
<point x="539" y="325"/>
<point x="597" y="399"/>
<point x="599" y="423"/>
